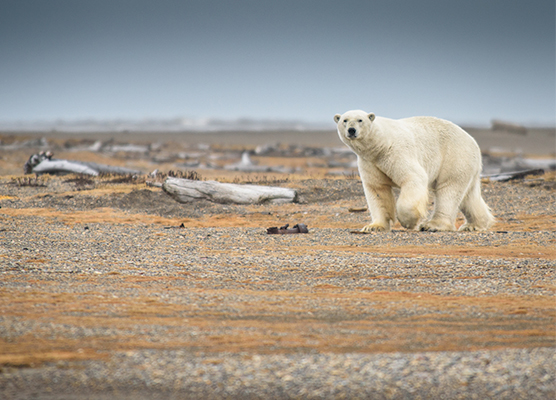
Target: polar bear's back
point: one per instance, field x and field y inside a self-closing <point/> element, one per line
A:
<point x="436" y="128"/>
<point x="437" y="137"/>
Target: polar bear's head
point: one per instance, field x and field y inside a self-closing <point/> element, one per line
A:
<point x="354" y="124"/>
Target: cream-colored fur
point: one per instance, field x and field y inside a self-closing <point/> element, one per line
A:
<point x="417" y="155"/>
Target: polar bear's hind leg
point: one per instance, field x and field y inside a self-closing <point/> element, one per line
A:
<point x="477" y="214"/>
<point x="446" y="207"/>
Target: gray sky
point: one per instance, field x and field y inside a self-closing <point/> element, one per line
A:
<point x="468" y="61"/>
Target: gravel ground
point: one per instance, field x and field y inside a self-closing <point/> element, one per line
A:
<point x="104" y="295"/>
<point x="149" y="374"/>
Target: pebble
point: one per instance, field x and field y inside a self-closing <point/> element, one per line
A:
<point x="150" y="374"/>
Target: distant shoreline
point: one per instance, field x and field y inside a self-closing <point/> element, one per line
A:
<point x="537" y="141"/>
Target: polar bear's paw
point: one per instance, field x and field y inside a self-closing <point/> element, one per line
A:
<point x="436" y="226"/>
<point x="375" y="228"/>
<point x="471" y="228"/>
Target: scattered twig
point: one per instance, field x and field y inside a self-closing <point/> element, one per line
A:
<point x="357" y="209"/>
<point x="191" y="175"/>
<point x="182" y="226"/>
<point x="80" y="180"/>
<point x="127" y="178"/>
<point x="29" y="181"/>
<point x="283" y="230"/>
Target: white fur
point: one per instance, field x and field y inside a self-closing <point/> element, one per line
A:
<point x="416" y="155"/>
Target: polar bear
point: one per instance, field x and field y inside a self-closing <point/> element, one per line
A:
<point x="416" y="155"/>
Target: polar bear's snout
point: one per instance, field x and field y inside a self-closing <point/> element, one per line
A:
<point x="352" y="133"/>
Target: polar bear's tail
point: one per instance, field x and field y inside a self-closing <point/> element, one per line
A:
<point x="477" y="213"/>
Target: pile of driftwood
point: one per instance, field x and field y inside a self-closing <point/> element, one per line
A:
<point x="338" y="161"/>
<point x="182" y="190"/>
<point x="201" y="156"/>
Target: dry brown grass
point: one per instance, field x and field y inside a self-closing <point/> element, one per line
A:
<point x="264" y="327"/>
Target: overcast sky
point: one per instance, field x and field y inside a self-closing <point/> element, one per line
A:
<point x="467" y="61"/>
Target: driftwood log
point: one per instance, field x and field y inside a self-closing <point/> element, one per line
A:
<point x="187" y="190"/>
<point x="62" y="166"/>
<point x="43" y="163"/>
<point x="510" y="176"/>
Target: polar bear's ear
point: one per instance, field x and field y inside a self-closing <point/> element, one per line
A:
<point x="337" y="117"/>
<point x="371" y="116"/>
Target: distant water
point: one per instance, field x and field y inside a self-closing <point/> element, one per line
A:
<point x="167" y="125"/>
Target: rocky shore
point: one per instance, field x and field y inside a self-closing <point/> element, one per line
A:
<point x="110" y="289"/>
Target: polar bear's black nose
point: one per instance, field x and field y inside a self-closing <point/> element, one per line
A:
<point x="351" y="132"/>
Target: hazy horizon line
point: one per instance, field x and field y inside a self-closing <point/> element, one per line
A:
<point x="87" y="124"/>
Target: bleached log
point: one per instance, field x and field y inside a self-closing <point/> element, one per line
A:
<point x="43" y="163"/>
<point x="109" y="169"/>
<point x="510" y="176"/>
<point x="186" y="190"/>
<point x="79" y="167"/>
<point x="62" y="166"/>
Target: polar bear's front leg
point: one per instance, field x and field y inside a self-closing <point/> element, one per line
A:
<point x="381" y="202"/>
<point x="380" y="198"/>
<point x="412" y="202"/>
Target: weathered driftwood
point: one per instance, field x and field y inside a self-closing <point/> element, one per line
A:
<point x="186" y="190"/>
<point x="247" y="165"/>
<point x="43" y="163"/>
<point x="509" y="127"/>
<point x="62" y="166"/>
<point x="509" y="176"/>
<point x="283" y="230"/>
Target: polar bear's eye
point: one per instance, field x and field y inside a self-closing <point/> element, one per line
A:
<point x="360" y="120"/>
<point x="345" y="121"/>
